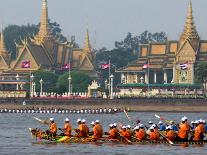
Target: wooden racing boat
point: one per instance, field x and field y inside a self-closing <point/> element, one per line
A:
<point x="42" y="137"/>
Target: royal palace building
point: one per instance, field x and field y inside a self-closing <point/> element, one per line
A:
<point x="45" y="52"/>
<point x="173" y="62"/>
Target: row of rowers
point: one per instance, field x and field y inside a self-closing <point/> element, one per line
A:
<point x="174" y="132"/>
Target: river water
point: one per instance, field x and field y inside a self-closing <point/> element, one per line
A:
<point x="15" y="137"/>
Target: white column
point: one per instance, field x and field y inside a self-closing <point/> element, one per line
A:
<point x="146" y="77"/>
<point x="192" y="73"/>
<point x="165" y="76"/>
<point x="155" y="77"/>
<point x="174" y="72"/>
<point x="136" y="77"/>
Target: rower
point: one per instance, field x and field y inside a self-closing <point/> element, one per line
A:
<point x="161" y="126"/>
<point x="170" y="133"/>
<point x="183" y="130"/>
<point x="204" y="122"/>
<point x="148" y="128"/>
<point x="85" y="129"/>
<point x="202" y="127"/>
<point x="152" y="134"/>
<point x="97" y="130"/>
<point x="52" y="128"/>
<point x="174" y="126"/>
<point x="140" y="132"/>
<point x="112" y="134"/>
<point x="129" y="130"/>
<point x="156" y="131"/>
<point x="124" y="133"/>
<point x="80" y="130"/>
<point x="198" y="132"/>
<point x="67" y="129"/>
<point x="116" y="130"/>
<point x="193" y="125"/>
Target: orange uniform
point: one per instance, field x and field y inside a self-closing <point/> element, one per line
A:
<point x="67" y="129"/>
<point x="97" y="131"/>
<point x="84" y="130"/>
<point x="157" y="134"/>
<point x="202" y="127"/>
<point x="171" y="135"/>
<point x="53" y="127"/>
<point x="183" y="131"/>
<point x="153" y="135"/>
<point x="198" y="133"/>
<point x="141" y="134"/>
<point x="126" y="134"/>
<point x="112" y="134"/>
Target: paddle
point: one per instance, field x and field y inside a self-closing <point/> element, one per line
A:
<point x="169" y="141"/>
<point x="129" y="118"/>
<point x="42" y="121"/>
<point x="162" y="118"/>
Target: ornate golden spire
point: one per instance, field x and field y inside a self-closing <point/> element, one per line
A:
<point x="190" y="33"/>
<point x="44" y="23"/>
<point x="3" y="51"/>
<point x="87" y="46"/>
<point x="44" y="30"/>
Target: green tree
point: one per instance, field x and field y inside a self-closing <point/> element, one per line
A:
<point x="80" y="82"/>
<point x="200" y="72"/>
<point x="49" y="80"/>
<point x="14" y="33"/>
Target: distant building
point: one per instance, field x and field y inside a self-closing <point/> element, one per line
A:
<point x="45" y="52"/>
<point x="173" y="60"/>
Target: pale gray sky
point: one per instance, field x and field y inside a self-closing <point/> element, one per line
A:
<point x="108" y="20"/>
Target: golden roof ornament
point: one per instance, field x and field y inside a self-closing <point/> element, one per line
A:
<point x="44" y="30"/>
<point x="190" y="31"/>
<point x="87" y="46"/>
<point x="3" y="50"/>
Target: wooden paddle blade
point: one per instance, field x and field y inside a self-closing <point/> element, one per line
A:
<point x="157" y="116"/>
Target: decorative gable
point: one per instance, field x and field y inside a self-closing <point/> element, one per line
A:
<point x="25" y="55"/>
<point x="186" y="53"/>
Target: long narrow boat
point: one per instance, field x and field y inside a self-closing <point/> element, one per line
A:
<point x="65" y="139"/>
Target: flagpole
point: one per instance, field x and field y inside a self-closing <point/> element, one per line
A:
<point x="109" y="76"/>
<point x="148" y="85"/>
<point x="30" y="83"/>
<point x="69" y="80"/>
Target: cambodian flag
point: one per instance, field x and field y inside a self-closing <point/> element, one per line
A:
<point x="146" y="65"/>
<point x="183" y="66"/>
<point x="26" y="64"/>
<point x="105" y="66"/>
<point x="66" y="66"/>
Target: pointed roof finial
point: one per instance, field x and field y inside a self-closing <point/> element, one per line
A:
<point x="87" y="46"/>
<point x="44" y="23"/>
<point x="190" y="32"/>
<point x="2" y="44"/>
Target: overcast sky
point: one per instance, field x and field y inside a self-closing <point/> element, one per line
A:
<point x="108" y="20"/>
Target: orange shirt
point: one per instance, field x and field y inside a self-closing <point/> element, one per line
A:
<point x="183" y="131"/>
<point x="53" y="127"/>
<point x="157" y="134"/>
<point x="171" y="135"/>
<point x="153" y="136"/>
<point x="202" y="127"/>
<point x="141" y="134"/>
<point x="84" y="130"/>
<point x="126" y="134"/>
<point x="112" y="134"/>
<point x="198" y="133"/>
<point x="67" y="129"/>
<point x="97" y="131"/>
